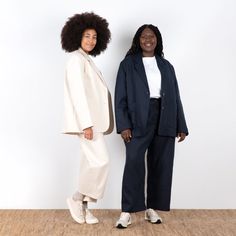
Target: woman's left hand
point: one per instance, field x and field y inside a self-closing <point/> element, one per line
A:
<point x="181" y="137"/>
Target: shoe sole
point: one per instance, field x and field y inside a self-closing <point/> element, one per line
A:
<point x="72" y="214"/>
<point x="120" y="226"/>
<point x="154" y="222"/>
<point x="91" y="222"/>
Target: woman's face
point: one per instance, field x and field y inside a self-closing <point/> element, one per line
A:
<point x="148" y="42"/>
<point x="89" y="40"/>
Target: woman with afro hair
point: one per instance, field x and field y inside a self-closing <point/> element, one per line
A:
<point x="149" y="115"/>
<point x="88" y="111"/>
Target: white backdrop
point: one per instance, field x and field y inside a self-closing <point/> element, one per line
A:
<point x="39" y="165"/>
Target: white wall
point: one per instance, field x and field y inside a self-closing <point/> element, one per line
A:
<point x="39" y="166"/>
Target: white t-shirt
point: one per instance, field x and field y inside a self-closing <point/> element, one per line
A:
<point x="153" y="76"/>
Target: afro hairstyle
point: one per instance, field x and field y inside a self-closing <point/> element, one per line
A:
<point x="72" y="32"/>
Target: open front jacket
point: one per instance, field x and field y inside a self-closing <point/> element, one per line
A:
<point x="132" y="98"/>
<point x="86" y="97"/>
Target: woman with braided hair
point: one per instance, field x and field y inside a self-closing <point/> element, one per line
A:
<point x="149" y="115"/>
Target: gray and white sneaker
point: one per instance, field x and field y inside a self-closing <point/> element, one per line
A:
<point x="76" y="210"/>
<point x="124" y="221"/>
<point x="152" y="216"/>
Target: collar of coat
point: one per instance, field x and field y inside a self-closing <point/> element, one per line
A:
<point x="86" y="56"/>
<point x="139" y="66"/>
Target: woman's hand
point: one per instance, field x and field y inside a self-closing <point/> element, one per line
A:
<point x="181" y="137"/>
<point x="126" y="135"/>
<point x="88" y="133"/>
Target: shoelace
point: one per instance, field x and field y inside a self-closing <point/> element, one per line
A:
<point x="152" y="212"/>
<point x="81" y="209"/>
<point x="124" y="217"/>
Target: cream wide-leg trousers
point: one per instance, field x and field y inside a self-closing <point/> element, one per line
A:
<point x="93" y="169"/>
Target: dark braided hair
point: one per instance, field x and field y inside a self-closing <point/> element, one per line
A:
<point x="72" y="32"/>
<point x="135" y="47"/>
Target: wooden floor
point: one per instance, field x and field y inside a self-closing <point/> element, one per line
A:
<point x="176" y="222"/>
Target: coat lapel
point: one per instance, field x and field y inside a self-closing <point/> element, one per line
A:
<point x="86" y="56"/>
<point x="139" y="67"/>
<point x="162" y="68"/>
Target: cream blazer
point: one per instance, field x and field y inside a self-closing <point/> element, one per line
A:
<point x="86" y="96"/>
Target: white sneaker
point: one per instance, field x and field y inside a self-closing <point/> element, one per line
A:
<point x="76" y="210"/>
<point x="152" y="216"/>
<point x="90" y="218"/>
<point x="124" y="221"/>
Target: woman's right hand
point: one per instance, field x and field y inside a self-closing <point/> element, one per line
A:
<point x="88" y="133"/>
<point x="126" y="135"/>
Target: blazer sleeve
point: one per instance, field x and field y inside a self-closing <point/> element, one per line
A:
<point x="181" y="123"/>
<point x="121" y="106"/>
<point x="77" y="92"/>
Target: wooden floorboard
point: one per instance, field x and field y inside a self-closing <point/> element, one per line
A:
<point x="175" y="223"/>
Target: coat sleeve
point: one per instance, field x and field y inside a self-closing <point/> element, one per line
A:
<point x="121" y="106"/>
<point x="181" y="123"/>
<point x="77" y="92"/>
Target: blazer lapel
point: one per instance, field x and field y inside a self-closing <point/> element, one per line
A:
<point x="96" y="70"/>
<point x="162" y="67"/>
<point x="86" y="56"/>
<point x="139" y="67"/>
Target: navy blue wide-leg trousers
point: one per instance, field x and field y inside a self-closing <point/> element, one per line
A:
<point x="160" y="156"/>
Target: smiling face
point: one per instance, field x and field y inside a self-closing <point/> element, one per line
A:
<point x="148" y="42"/>
<point x="89" y="40"/>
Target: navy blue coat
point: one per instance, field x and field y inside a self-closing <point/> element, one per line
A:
<point x="132" y="98"/>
